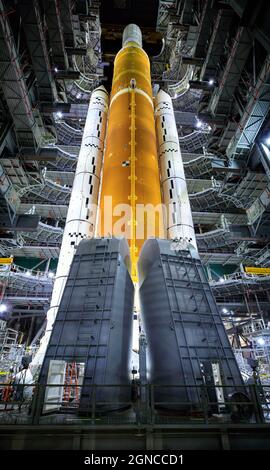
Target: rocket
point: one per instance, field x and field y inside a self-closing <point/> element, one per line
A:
<point x="131" y="141"/>
<point x="129" y="224"/>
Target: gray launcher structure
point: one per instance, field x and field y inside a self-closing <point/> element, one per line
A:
<point x="187" y="342"/>
<point x="91" y="339"/>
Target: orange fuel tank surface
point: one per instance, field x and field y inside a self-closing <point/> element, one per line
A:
<point x="130" y="203"/>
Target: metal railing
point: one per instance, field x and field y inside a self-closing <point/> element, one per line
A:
<point x="31" y="273"/>
<point x="134" y="405"/>
<point x="241" y="275"/>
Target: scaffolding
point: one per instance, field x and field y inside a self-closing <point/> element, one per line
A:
<point x="201" y="165"/>
<point x="51" y="191"/>
<point x="8" y="340"/>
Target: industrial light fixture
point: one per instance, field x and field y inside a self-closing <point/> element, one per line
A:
<point x="3" y="308"/>
<point x="260" y="341"/>
<point x="55" y="69"/>
<point x="78" y="96"/>
<point x="211" y="81"/>
<point x="28" y="273"/>
<point x="224" y="310"/>
<point x="199" y="123"/>
<point x="221" y="279"/>
<point x="51" y="274"/>
<point x="267" y="141"/>
<point x="59" y="114"/>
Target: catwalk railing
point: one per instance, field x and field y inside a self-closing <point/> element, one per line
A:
<point x="24" y="404"/>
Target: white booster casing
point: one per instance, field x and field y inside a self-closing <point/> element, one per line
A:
<point x="82" y="210"/>
<point x="178" y="218"/>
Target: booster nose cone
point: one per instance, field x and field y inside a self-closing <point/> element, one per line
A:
<point x="100" y="92"/>
<point x="132" y="33"/>
<point x="101" y="88"/>
<point x="162" y="97"/>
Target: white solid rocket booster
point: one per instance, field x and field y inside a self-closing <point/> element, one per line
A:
<point x="179" y="223"/>
<point x="82" y="210"/>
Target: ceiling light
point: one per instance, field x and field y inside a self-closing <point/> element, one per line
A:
<point x="260" y="341"/>
<point x="221" y="279"/>
<point x="211" y="81"/>
<point x="59" y="114"/>
<point x="28" y="273"/>
<point x="55" y="69"/>
<point x="199" y="123"/>
<point x="267" y="141"/>
<point x="224" y="310"/>
<point x="3" y="308"/>
<point x="51" y="274"/>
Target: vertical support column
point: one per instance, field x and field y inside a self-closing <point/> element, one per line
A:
<point x="82" y="211"/>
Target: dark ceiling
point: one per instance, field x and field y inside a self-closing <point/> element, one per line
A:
<point x="122" y="12"/>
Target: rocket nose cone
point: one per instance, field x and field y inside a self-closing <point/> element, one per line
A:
<point x="100" y="92"/>
<point x="162" y="97"/>
<point x="101" y="88"/>
<point x="132" y="33"/>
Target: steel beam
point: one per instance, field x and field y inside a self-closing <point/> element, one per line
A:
<point x="49" y="108"/>
<point x="21" y="314"/>
<point x="14" y="86"/>
<point x="223" y="96"/>
<point x="66" y="19"/>
<point x="76" y="51"/>
<point x="44" y="154"/>
<point x="216" y="44"/>
<point x="205" y="26"/>
<point x="254" y="114"/>
<point x="34" y="31"/>
<point x="55" y="29"/>
<point x="67" y="75"/>
<point x="22" y="223"/>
